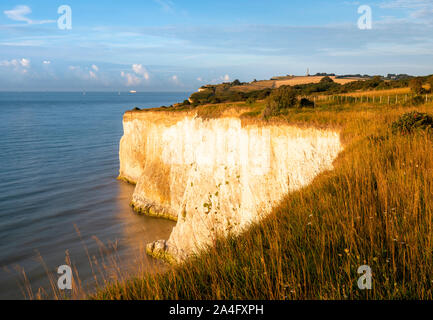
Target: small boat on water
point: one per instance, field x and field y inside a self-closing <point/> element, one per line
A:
<point x="132" y="91"/>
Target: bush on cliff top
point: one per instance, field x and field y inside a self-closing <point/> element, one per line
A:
<point x="279" y="100"/>
<point x="411" y="121"/>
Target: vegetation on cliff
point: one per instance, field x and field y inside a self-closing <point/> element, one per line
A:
<point x="237" y="91"/>
<point x="375" y="208"/>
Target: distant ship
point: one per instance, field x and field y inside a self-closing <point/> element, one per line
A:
<point x="132" y="91"/>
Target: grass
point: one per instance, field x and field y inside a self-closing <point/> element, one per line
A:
<point x="374" y="208"/>
<point x="291" y="81"/>
<point x="378" y="93"/>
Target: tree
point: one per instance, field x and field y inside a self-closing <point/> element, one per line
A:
<point x="326" y="79"/>
<point x="377" y="80"/>
<point x="279" y="100"/>
<point x="416" y="86"/>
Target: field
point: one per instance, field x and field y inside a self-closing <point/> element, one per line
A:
<point x="311" y="79"/>
<point x="375" y="208"/>
<point x="291" y="82"/>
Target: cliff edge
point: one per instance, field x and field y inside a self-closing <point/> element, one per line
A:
<point x="215" y="176"/>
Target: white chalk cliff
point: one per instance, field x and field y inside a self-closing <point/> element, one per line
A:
<point x="215" y="176"/>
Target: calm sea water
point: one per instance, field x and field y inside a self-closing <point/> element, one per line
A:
<point x="58" y="168"/>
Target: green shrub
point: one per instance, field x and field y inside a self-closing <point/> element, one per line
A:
<point x="417" y="100"/>
<point x="305" y="103"/>
<point x="214" y="100"/>
<point x="280" y="100"/>
<point x="202" y="97"/>
<point x="411" y="121"/>
<point x="251" y="100"/>
<point x="260" y="94"/>
<point x="326" y="79"/>
<point x="416" y="86"/>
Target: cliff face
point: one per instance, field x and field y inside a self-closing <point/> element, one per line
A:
<point x="215" y="176"/>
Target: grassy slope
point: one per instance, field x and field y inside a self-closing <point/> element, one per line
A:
<point x="374" y="208"/>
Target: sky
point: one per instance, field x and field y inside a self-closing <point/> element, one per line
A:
<point x="180" y="45"/>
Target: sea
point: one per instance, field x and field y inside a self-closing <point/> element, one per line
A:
<point x="60" y="201"/>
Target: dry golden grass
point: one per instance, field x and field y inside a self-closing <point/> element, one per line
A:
<point x="374" y="208"/>
<point x="378" y="93"/>
<point x="252" y="86"/>
<point x="311" y="79"/>
<point x="259" y="85"/>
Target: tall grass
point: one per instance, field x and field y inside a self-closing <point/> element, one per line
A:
<point x="374" y="208"/>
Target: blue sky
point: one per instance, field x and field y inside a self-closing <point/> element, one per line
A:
<point x="173" y="45"/>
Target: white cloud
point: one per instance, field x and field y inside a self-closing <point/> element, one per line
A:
<point x="140" y="70"/>
<point x="25" y="63"/>
<point x="139" y="74"/>
<point x="92" y="75"/>
<point x="95" y="67"/>
<point x="226" y="78"/>
<point x="18" y="65"/>
<point x="19" y="13"/>
<point x="200" y="79"/>
<point x="84" y="73"/>
<point x="46" y="62"/>
<point x="175" y="80"/>
<point x="131" y="79"/>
